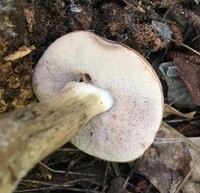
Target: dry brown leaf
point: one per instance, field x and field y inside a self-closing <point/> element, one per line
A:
<point x="190" y="74"/>
<point x="168" y="161"/>
<point x="21" y="52"/>
<point x="169" y="110"/>
<point x="177" y="93"/>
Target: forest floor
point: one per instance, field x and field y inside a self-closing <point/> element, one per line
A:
<point x="167" y="34"/>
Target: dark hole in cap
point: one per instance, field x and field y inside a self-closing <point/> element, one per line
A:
<point x="85" y="78"/>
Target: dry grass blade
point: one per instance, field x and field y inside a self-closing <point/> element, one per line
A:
<point x="184" y="45"/>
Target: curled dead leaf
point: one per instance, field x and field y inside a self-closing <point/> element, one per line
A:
<point x="177" y="93"/>
<point x="169" y="161"/>
<point x="169" y="110"/>
<point x="190" y="74"/>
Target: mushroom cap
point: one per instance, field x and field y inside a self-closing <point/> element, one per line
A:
<point x="125" y="131"/>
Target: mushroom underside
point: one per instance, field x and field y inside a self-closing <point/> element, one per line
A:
<point x="125" y="131"/>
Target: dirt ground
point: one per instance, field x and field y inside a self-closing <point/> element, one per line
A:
<point x="162" y="31"/>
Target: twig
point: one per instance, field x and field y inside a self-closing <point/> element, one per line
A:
<point x="116" y="168"/>
<point x="34" y="189"/>
<point x="68" y="184"/>
<point x="52" y="170"/>
<point x="135" y="6"/>
<point x="149" y="188"/>
<point x="184" y="45"/>
<point x="182" y="12"/>
<point x="68" y="149"/>
<point x="171" y="140"/>
<point x="53" y="188"/>
<point x="105" y="177"/>
<point x="196" y="38"/>
<point x="128" y="178"/>
<point x="83" y="174"/>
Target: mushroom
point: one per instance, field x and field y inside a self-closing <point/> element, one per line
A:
<point x="71" y="80"/>
<point x="29" y="135"/>
<point x="124" y="132"/>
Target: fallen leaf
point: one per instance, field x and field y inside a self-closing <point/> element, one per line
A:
<point x="190" y="74"/>
<point x="169" y="110"/>
<point x="177" y="92"/>
<point x="170" y="158"/>
<point x="189" y="129"/>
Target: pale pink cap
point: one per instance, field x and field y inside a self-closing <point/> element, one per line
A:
<point x="125" y="131"/>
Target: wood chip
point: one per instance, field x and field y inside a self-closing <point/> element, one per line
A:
<point x="21" y="52"/>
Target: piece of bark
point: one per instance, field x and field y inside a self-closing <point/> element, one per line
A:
<point x="180" y="11"/>
<point x="29" y="135"/>
<point x="190" y="74"/>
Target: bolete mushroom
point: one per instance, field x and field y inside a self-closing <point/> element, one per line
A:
<point x="124" y="132"/>
<point x="28" y="135"/>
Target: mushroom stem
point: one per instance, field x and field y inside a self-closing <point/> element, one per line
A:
<point x="29" y="135"/>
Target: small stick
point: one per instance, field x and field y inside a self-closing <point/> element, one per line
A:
<point x="184" y="45"/>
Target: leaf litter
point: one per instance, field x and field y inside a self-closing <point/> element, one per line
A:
<point x="172" y="162"/>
